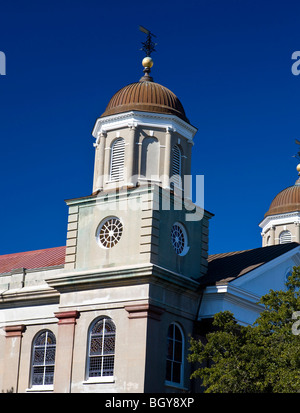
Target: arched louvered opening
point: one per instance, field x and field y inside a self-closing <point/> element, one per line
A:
<point x="177" y="167"/>
<point x="285" y="237"/>
<point x="117" y="160"/>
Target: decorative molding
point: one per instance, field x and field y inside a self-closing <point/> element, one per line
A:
<point x="67" y="317"/>
<point x="117" y="276"/>
<point x="144" y="311"/>
<point x="280" y="219"/>
<point x="14" y="331"/>
<point x="135" y="118"/>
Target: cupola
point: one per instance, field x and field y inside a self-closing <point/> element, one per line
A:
<point x="281" y="223"/>
<point x="142" y="136"/>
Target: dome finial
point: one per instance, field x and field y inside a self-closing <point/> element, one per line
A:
<point x="148" y="48"/>
<point x="147" y="62"/>
<point x="297" y="156"/>
<point x="298" y="169"/>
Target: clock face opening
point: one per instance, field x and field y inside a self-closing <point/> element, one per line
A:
<point x="179" y="239"/>
<point x="109" y="232"/>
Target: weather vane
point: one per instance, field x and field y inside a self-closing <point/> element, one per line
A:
<point x="297" y="156"/>
<point x="148" y="45"/>
<point x="148" y="48"/>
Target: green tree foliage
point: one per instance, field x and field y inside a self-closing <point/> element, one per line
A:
<point x="262" y="358"/>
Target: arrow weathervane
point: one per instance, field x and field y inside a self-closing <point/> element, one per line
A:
<point x="148" y="45"/>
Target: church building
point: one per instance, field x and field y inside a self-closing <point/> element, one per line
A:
<point x="113" y="310"/>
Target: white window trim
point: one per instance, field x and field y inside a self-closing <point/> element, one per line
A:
<point x="185" y="235"/>
<point x="41" y="388"/>
<point x="100" y="227"/>
<point x="287" y="235"/>
<point x="117" y="173"/>
<point x="99" y="380"/>
<point x="172" y="383"/>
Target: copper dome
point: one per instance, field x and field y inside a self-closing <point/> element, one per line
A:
<point x="287" y="200"/>
<point x="145" y="96"/>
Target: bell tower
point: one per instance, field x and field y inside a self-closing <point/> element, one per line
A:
<point x="140" y="209"/>
<point x="137" y="246"/>
<point x="142" y="137"/>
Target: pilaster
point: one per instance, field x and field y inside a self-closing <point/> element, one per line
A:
<point x="64" y="350"/>
<point x="130" y="159"/>
<point x="99" y="162"/>
<point x="12" y="355"/>
<point x="167" y="162"/>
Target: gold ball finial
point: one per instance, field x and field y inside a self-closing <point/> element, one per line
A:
<point x="298" y="167"/>
<point x="147" y="62"/>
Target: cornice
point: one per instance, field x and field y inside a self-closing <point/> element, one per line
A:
<point x="135" y="118"/>
<point x="43" y="294"/>
<point x="279" y="219"/>
<point x="119" y="276"/>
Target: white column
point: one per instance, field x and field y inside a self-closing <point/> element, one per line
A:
<point x="167" y="160"/>
<point x="130" y="160"/>
<point x="99" y="162"/>
<point x="297" y="225"/>
<point x="272" y="235"/>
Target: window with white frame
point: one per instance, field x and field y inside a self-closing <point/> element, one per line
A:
<point x="176" y="177"/>
<point x="101" y="348"/>
<point x="179" y="239"/>
<point x="109" y="232"/>
<point x="117" y="160"/>
<point x="285" y="237"/>
<point x="175" y="351"/>
<point x="43" y="359"/>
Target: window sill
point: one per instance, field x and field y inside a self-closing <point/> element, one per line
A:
<point x="95" y="380"/>
<point x="176" y="386"/>
<point x="40" y="388"/>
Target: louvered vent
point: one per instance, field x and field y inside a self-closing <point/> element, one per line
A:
<point x="285" y="237"/>
<point x="176" y="166"/>
<point x="117" y="160"/>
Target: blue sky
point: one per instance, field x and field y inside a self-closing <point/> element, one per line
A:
<point x="228" y="61"/>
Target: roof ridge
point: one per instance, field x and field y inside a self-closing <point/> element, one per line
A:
<point x="253" y="249"/>
<point x="25" y="252"/>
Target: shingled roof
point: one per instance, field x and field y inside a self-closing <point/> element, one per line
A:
<point x="223" y="268"/>
<point x="45" y="258"/>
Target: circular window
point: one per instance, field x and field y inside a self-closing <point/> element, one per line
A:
<point x="109" y="232"/>
<point x="179" y="239"/>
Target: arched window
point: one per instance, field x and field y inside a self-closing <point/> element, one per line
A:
<point x="177" y="167"/>
<point x="175" y="351"/>
<point x="117" y="160"/>
<point x="101" y="348"/>
<point x="43" y="359"/>
<point x="285" y="237"/>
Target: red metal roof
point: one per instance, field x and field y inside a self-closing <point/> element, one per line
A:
<point x="49" y="257"/>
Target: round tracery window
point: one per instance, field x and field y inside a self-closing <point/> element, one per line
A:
<point x="110" y="232"/>
<point x="179" y="239"/>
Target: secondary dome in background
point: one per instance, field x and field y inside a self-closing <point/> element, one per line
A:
<point x="288" y="200"/>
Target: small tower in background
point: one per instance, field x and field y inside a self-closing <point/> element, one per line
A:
<point x="281" y="223"/>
